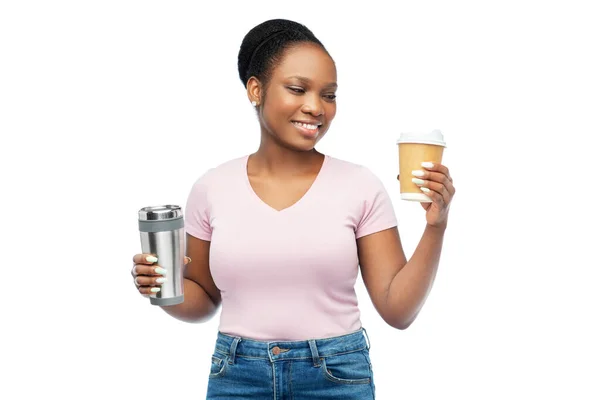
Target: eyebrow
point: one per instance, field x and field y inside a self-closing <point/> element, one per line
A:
<point x="306" y="80"/>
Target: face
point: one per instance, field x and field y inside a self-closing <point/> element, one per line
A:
<point x="299" y="100"/>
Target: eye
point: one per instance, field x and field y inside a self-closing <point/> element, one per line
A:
<point x="330" y="97"/>
<point x="296" y="90"/>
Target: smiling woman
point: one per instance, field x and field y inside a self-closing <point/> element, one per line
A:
<point x="277" y="238"/>
<point x="295" y="91"/>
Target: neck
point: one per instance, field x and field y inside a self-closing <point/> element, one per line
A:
<point x="275" y="160"/>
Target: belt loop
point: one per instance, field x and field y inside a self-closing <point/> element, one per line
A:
<point x="368" y="341"/>
<point x="233" y="349"/>
<point x="315" y="353"/>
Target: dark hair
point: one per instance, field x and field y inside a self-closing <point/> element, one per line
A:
<point x="264" y="45"/>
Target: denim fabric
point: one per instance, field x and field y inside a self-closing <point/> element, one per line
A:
<point x="332" y="368"/>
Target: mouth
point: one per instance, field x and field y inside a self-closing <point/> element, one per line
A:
<point x="309" y="130"/>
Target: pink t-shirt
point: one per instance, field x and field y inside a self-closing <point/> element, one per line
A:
<point x="289" y="274"/>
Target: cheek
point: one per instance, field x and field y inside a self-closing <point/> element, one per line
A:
<point x="330" y="111"/>
<point x="289" y="103"/>
<point x="280" y="106"/>
<point x="281" y="98"/>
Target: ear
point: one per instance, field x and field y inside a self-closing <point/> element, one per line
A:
<point x="254" y="90"/>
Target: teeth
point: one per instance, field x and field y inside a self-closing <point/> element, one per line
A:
<point x="307" y="126"/>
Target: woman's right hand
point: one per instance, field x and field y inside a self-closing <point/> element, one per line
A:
<point x="148" y="276"/>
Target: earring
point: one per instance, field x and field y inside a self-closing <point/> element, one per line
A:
<point x="254" y="104"/>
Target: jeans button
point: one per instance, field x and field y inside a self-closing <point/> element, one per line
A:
<point x="276" y="350"/>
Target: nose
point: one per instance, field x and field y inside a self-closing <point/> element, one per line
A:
<point x="313" y="105"/>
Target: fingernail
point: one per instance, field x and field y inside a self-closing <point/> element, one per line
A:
<point x="160" y="270"/>
<point x="418" y="181"/>
<point x="151" y="259"/>
<point x="427" y="164"/>
<point x="161" y="280"/>
<point x="418" y="172"/>
<point x="155" y="290"/>
<point x="426" y="190"/>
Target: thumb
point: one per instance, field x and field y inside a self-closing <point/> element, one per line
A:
<point x="187" y="260"/>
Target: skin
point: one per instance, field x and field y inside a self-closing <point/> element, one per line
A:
<point x="301" y="88"/>
<point x="283" y="169"/>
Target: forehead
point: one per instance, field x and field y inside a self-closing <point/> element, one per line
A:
<point x="309" y="61"/>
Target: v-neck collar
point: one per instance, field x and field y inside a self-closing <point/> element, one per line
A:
<point x="297" y="203"/>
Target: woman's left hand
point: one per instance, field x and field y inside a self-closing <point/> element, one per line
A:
<point x="439" y="187"/>
<point x="435" y="182"/>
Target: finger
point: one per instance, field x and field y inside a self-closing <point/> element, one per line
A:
<point x="436" y="187"/>
<point x="435" y="177"/>
<point x="430" y="175"/>
<point x="434" y="196"/>
<point x="147" y="290"/>
<point x="437" y="167"/>
<point x="449" y="191"/>
<point x="148" y="270"/>
<point x="149" y="281"/>
<point x="450" y="187"/>
<point x="442" y="191"/>
<point x="145" y="258"/>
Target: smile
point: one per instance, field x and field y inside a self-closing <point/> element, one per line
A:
<point x="307" y="129"/>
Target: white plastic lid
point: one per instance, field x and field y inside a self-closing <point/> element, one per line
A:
<point x="433" y="137"/>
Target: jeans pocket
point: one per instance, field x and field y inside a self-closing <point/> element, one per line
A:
<point x="351" y="368"/>
<point x="218" y="364"/>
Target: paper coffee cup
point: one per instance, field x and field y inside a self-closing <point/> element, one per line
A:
<point x="413" y="149"/>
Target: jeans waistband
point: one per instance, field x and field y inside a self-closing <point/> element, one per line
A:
<point x="236" y="346"/>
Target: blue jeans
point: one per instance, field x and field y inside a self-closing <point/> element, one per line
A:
<point x="333" y="368"/>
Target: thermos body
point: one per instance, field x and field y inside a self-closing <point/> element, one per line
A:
<point x="162" y="234"/>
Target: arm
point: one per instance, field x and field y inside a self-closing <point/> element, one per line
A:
<point x="399" y="288"/>
<point x="201" y="296"/>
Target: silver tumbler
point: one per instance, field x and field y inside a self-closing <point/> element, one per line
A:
<point x="162" y="234"/>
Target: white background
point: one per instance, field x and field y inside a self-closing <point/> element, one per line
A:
<point x="106" y="107"/>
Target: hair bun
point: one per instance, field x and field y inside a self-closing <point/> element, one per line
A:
<point x="261" y="34"/>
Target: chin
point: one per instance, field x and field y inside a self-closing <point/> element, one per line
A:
<point x="306" y="144"/>
<point x="297" y="142"/>
<point x="306" y="147"/>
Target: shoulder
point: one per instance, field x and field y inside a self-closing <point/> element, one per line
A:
<point x="352" y="172"/>
<point x="220" y="173"/>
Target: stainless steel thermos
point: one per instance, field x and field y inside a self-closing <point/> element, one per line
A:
<point x="162" y="234"/>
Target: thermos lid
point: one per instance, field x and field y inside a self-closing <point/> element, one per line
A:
<point x="160" y="213"/>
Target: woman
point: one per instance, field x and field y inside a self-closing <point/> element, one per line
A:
<point x="277" y="237"/>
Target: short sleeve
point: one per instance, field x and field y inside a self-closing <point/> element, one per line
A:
<point x="197" y="211"/>
<point x="377" y="209"/>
